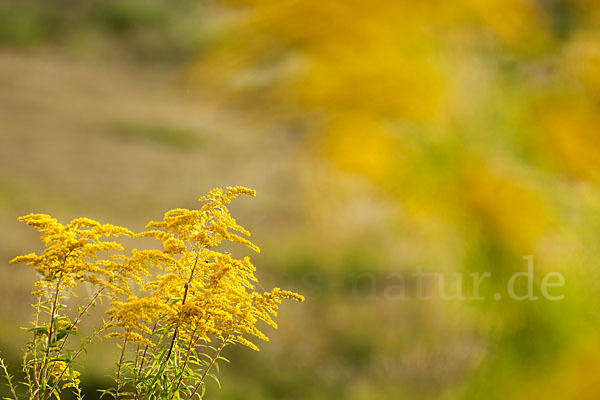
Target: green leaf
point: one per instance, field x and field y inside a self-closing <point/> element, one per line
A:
<point x="224" y="359"/>
<point x="213" y="376"/>
<point x="110" y="392"/>
<point x="39" y="329"/>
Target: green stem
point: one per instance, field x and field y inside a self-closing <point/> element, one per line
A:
<point x="212" y="361"/>
<point x="88" y="341"/>
<point x="185" y="362"/>
<point x="44" y="368"/>
<point x="119" y="368"/>
<point x="64" y="340"/>
<point x="8" y="379"/>
<point x="35" y="325"/>
<point x="143" y="360"/>
<point x="185" y="293"/>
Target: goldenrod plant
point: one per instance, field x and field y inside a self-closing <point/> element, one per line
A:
<point x="173" y="310"/>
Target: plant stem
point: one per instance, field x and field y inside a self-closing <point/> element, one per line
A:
<point x="143" y="359"/>
<point x="212" y="361"/>
<point x="43" y="370"/>
<point x="146" y="349"/>
<point x="30" y="385"/>
<point x="8" y="379"/>
<point x="57" y="381"/>
<point x="119" y="368"/>
<point x="185" y="362"/>
<point x="64" y="340"/>
<point x="81" y="314"/>
<point x="35" y="325"/>
<point x="185" y="293"/>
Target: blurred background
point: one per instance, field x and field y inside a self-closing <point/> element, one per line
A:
<point x="383" y="138"/>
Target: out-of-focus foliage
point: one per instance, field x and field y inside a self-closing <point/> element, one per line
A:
<point x="154" y="31"/>
<point x="475" y="125"/>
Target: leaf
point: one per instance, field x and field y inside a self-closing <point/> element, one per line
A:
<point x="110" y="392"/>
<point x="224" y="359"/>
<point x="38" y="330"/>
<point x="214" y="377"/>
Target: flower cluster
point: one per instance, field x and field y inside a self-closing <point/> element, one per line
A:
<point x="202" y="292"/>
<point x="186" y="294"/>
<point x="71" y="253"/>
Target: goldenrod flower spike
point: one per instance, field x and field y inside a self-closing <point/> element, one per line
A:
<point x="72" y="252"/>
<point x="171" y="299"/>
<point x="203" y="292"/>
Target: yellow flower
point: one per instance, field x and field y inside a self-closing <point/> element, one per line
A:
<point x="72" y="250"/>
<point x="202" y="293"/>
